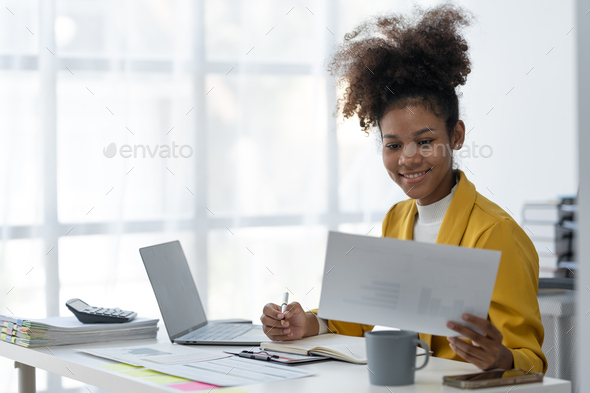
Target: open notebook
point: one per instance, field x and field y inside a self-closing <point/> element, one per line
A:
<point x="337" y="346"/>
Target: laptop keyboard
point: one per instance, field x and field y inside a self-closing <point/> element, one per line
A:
<point x="218" y="332"/>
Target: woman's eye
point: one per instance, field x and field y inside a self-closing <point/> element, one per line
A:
<point x="393" y="146"/>
<point x="427" y="142"/>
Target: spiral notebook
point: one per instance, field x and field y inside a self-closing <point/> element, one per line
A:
<point x="336" y="346"/>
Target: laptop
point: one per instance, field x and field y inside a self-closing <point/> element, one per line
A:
<point x="181" y="306"/>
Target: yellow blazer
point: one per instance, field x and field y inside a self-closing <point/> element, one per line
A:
<point x="472" y="220"/>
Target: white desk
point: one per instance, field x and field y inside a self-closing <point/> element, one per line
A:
<point x="332" y="376"/>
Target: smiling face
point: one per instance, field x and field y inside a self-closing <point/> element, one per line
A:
<point x="417" y="152"/>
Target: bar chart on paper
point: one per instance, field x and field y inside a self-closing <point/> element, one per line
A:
<point x="427" y="305"/>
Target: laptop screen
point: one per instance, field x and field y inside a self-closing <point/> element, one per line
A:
<point x="174" y="288"/>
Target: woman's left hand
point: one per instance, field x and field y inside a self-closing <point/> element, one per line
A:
<point x="486" y="350"/>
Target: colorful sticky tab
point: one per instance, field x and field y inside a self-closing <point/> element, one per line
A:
<point x="8" y="339"/>
<point x="120" y="367"/>
<point x="190" y="386"/>
<point x="142" y="373"/>
<point x="166" y="379"/>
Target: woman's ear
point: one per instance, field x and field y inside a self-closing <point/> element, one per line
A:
<point x="458" y="135"/>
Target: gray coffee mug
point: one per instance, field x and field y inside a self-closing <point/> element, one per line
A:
<point x="391" y="357"/>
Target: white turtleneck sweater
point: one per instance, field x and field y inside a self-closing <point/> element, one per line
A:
<point x="426" y="226"/>
<point x="430" y="217"/>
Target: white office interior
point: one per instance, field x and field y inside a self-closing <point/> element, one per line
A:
<point x="127" y="124"/>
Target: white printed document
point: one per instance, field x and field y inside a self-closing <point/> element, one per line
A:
<point x="148" y="355"/>
<point x="233" y="371"/>
<point x="210" y="366"/>
<point x="405" y="284"/>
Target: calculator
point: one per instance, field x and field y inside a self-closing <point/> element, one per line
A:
<point x="90" y="314"/>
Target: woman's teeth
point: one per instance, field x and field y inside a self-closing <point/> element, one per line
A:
<point x="415" y="176"/>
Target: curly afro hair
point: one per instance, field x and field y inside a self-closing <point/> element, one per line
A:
<point x="389" y="62"/>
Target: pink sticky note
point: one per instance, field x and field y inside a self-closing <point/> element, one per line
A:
<point x="190" y="386"/>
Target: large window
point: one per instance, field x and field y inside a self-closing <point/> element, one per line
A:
<point x="126" y="124"/>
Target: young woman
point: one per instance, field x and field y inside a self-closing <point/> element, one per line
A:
<point x="400" y="77"/>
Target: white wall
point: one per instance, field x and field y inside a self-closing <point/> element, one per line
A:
<point x="521" y="102"/>
<point x="583" y="45"/>
<point x="532" y="128"/>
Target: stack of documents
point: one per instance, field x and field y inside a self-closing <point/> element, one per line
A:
<point x="68" y="330"/>
<point x="552" y="227"/>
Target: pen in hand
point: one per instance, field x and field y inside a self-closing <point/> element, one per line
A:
<point x="284" y="306"/>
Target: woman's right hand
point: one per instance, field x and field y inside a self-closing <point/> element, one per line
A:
<point x="298" y="323"/>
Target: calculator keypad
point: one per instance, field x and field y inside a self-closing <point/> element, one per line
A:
<point x="90" y="314"/>
<point x="110" y="312"/>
